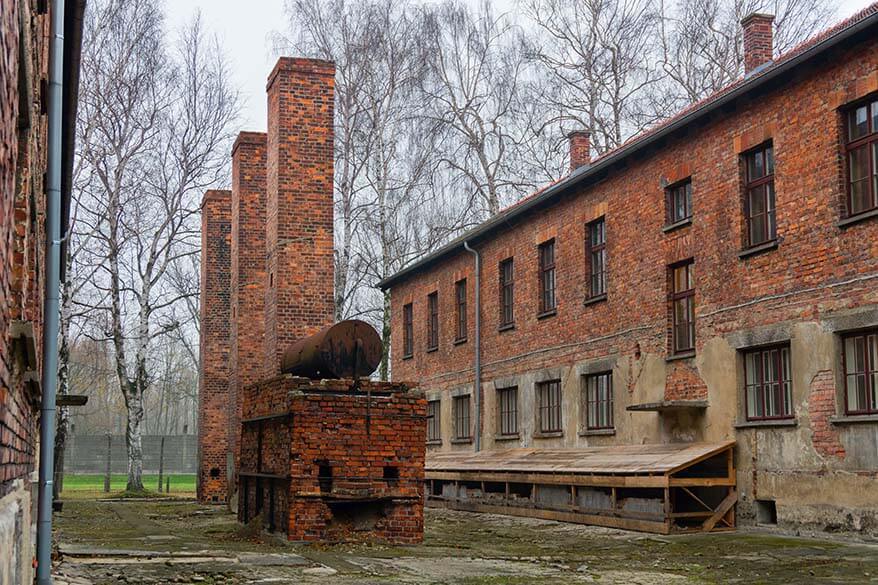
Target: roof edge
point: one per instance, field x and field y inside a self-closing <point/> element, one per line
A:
<point x="747" y="84"/>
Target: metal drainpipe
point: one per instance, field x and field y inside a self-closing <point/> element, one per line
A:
<point x="477" y="439"/>
<point x="51" y="315"/>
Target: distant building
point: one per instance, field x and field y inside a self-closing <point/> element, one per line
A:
<point x="714" y="279"/>
<point x="24" y="54"/>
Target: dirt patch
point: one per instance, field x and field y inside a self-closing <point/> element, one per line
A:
<point x="183" y="542"/>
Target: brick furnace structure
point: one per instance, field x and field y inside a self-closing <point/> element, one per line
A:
<point x="316" y="459"/>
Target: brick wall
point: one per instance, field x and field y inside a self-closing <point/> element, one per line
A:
<point x="815" y="265"/>
<point x="374" y="446"/>
<point x="248" y="273"/>
<point x="22" y="206"/>
<point x="299" y="295"/>
<point x="213" y="391"/>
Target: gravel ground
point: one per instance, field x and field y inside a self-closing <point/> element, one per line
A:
<point x="153" y="542"/>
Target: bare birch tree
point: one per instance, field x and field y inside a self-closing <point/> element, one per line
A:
<point x="701" y="40"/>
<point x="154" y="134"/>
<point x="476" y="66"/>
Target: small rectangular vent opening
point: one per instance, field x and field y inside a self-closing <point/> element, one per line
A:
<point x="766" y="512"/>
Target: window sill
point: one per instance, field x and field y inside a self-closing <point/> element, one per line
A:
<point x="597" y="432"/>
<point x="677" y="225"/>
<point x="546" y="314"/>
<point x="432" y="349"/>
<point x="506" y="327"/>
<point x="595" y="300"/>
<point x="758" y="424"/>
<point x="863" y="216"/>
<point x="758" y="249"/>
<point x="548" y="434"/>
<point x="683" y="355"/>
<point x="514" y="437"/>
<point x="464" y="441"/>
<point x="434" y="442"/>
<point x="408" y="357"/>
<point x="460" y="341"/>
<point x="853" y="419"/>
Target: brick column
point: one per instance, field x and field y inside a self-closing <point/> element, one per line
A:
<point x="299" y="296"/>
<point x="248" y="278"/>
<point x="213" y="389"/>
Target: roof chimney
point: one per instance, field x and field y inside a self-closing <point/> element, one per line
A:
<point x="580" y="148"/>
<point x="758" y="42"/>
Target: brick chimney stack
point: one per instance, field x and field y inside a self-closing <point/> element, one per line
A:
<point x="299" y="242"/>
<point x="580" y="148"/>
<point x="248" y="279"/>
<point x="758" y="40"/>
<point x="213" y="379"/>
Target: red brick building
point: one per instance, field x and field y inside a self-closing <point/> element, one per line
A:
<point x="315" y="459"/>
<point x="24" y="73"/>
<point x="714" y="279"/>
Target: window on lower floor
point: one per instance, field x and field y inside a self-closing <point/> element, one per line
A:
<point x="434" y="432"/>
<point x="549" y="406"/>
<point x="862" y="154"/>
<point x="460" y="413"/>
<point x="861" y="373"/>
<point x="767" y="383"/>
<point x="599" y="401"/>
<point x="507" y="410"/>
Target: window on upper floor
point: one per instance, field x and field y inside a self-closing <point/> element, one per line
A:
<point x="507" y="293"/>
<point x="598" y="401"/>
<point x="682" y="300"/>
<point x="432" y="321"/>
<point x="547" y="277"/>
<point x="678" y="202"/>
<point x="461" y="414"/>
<point x="768" y="383"/>
<point x="460" y="310"/>
<point x="861" y="372"/>
<point x="759" y="208"/>
<point x="862" y="157"/>
<point x="596" y="252"/>
<point x="507" y="411"/>
<point x="434" y="429"/>
<point x="408" y="338"/>
<point x="549" y="406"/>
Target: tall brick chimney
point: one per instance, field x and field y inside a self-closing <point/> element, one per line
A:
<point x="213" y="390"/>
<point x="248" y="278"/>
<point x="580" y="148"/>
<point x="758" y="40"/>
<point x="299" y="294"/>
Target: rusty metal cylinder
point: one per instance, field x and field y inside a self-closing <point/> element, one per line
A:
<point x="347" y="349"/>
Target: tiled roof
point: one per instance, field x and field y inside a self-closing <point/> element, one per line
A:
<point x="794" y="57"/>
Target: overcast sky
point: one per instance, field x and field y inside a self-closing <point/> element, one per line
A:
<point x="244" y="28"/>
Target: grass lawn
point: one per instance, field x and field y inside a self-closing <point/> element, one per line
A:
<point x="86" y="486"/>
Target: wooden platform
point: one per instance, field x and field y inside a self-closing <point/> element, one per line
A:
<point x="656" y="488"/>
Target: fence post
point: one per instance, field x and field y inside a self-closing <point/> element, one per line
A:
<point x="109" y="451"/>
<point x="161" y="463"/>
<point x="168" y="485"/>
